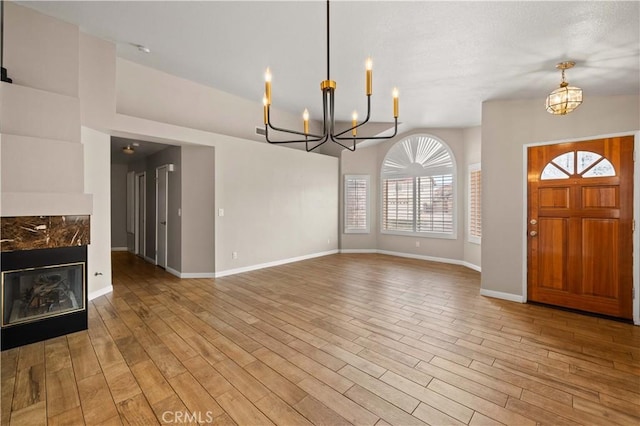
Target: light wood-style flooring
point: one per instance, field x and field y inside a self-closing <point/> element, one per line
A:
<point x="359" y="338"/>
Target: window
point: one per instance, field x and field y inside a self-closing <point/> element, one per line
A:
<point x="356" y="204"/>
<point x="586" y="164"/>
<point x="418" y="188"/>
<point x="475" y="204"/>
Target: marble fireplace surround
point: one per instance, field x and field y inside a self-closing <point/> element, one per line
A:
<point x="42" y="232"/>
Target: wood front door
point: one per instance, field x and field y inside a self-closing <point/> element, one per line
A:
<point x="580" y="218"/>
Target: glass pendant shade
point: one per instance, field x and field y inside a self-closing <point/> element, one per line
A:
<point x="563" y="100"/>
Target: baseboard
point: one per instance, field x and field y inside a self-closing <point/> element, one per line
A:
<point x="347" y="251"/>
<point x="172" y="271"/>
<point x="472" y="266"/>
<point x="190" y="274"/>
<point x="500" y="295"/>
<point x="119" y="248"/>
<point x="149" y="259"/>
<point x="101" y="292"/>
<point x="271" y="264"/>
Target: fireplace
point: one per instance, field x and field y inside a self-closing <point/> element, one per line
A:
<point x="43" y="290"/>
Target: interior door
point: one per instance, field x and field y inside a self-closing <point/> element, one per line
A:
<point x="162" y="180"/>
<point x="140" y="214"/>
<point x="580" y="218"/>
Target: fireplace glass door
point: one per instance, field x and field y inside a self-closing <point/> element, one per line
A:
<point x="35" y="293"/>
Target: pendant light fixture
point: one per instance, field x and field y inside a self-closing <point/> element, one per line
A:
<point x="128" y="150"/>
<point x="329" y="133"/>
<point x="565" y="98"/>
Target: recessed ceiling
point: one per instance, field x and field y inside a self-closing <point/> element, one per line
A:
<point x="446" y="58"/>
<point x="142" y="149"/>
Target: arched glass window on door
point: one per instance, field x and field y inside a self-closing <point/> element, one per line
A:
<point x="585" y="164"/>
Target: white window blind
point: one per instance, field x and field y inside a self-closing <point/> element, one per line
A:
<point x="475" y="204"/>
<point x="418" y="188"/>
<point x="356" y="204"/>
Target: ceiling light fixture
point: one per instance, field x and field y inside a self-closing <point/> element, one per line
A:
<point x="141" y="48"/>
<point x="328" y="88"/>
<point x="128" y="150"/>
<point x="565" y="98"/>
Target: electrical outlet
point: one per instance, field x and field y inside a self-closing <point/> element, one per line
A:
<point x="328" y="240"/>
<point x="417" y="243"/>
<point x="234" y="254"/>
<point x="220" y="212"/>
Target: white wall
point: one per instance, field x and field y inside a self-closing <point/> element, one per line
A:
<point x="507" y="126"/>
<point x="97" y="181"/>
<point x="198" y="210"/>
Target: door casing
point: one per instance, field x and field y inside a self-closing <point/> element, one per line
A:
<point x="636" y="214"/>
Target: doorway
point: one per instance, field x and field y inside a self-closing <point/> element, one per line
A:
<point x="580" y="225"/>
<point x="162" y="189"/>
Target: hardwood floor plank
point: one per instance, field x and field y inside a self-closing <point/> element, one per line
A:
<point x="477" y="403"/>
<point x="241" y="410"/>
<point x="96" y="400"/>
<point x="121" y="382"/>
<point x="450" y="407"/>
<point x="338" y="402"/>
<point x="381" y="407"/>
<point x="398" y="368"/>
<point x="379" y="388"/>
<point x="72" y="417"/>
<point x="280" y="412"/>
<point x="207" y="376"/>
<point x="321" y="373"/>
<point x="319" y="414"/>
<point x="136" y="411"/>
<point x="62" y="391"/>
<point x="250" y="388"/>
<point x="83" y="357"/>
<point x="283" y="388"/>
<point x="193" y="395"/>
<point x="432" y="416"/>
<point x="153" y="384"/>
<point x="32" y="415"/>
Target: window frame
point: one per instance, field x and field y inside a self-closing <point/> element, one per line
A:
<point x="367" y="180"/>
<point x="453" y="235"/>
<point x="472" y="168"/>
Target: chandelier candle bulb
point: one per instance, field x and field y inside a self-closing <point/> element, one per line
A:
<point x="267" y="85"/>
<point x="354" y="123"/>
<point x="266" y="109"/>
<point x="369" y="66"/>
<point x="305" y="118"/>
<point x="395" y="103"/>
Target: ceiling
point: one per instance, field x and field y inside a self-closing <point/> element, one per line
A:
<point x="446" y="58"/>
<point x="141" y="150"/>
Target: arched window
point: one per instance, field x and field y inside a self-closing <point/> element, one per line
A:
<point x="418" y="188"/>
<point x="585" y="164"/>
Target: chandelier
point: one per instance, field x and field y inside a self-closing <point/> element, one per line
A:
<point x="565" y="98"/>
<point x="328" y="88"/>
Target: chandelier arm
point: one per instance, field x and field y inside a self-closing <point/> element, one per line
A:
<point x="336" y="138"/>
<point x="321" y="143"/>
<point x="366" y="120"/>
<point x="314" y="137"/>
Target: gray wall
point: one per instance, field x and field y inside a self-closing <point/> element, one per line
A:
<point x="119" y="206"/>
